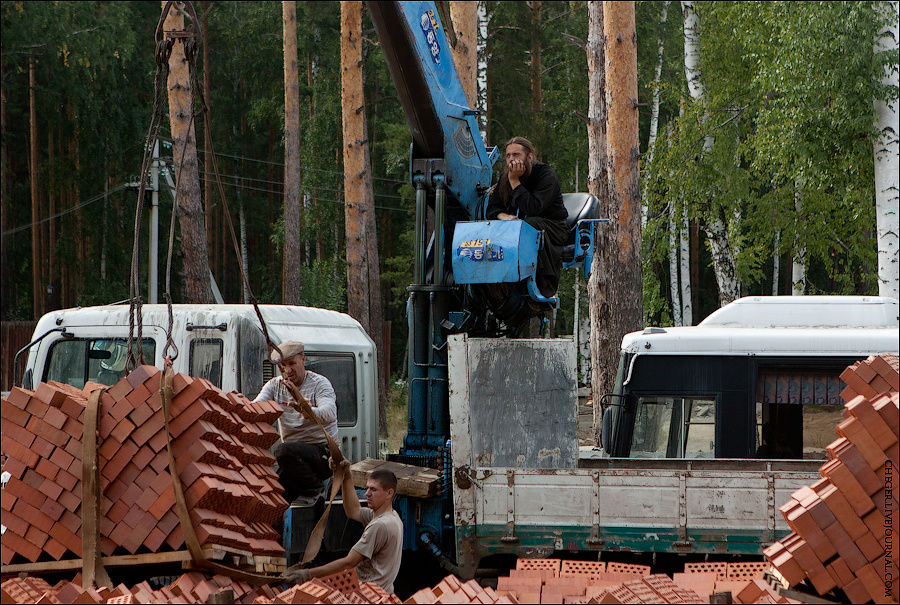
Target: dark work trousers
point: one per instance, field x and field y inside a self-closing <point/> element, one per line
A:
<point x="302" y="468"/>
<point x="549" y="265"/>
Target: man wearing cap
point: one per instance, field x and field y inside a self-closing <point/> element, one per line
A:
<point x="303" y="454"/>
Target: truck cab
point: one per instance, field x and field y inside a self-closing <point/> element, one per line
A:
<point x="758" y="378"/>
<point x="222" y="343"/>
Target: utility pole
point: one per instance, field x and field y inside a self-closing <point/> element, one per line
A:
<point x="290" y="283"/>
<point x="184" y="152"/>
<point x="37" y="295"/>
<point x="153" y="286"/>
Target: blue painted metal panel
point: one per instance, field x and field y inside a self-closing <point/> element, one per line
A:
<point x="467" y="161"/>
<point x="490" y="252"/>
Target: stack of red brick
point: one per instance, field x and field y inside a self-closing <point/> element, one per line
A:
<point x="191" y="587"/>
<point x="220" y="443"/>
<point x="841" y="523"/>
<point x="196" y="587"/>
<point x="556" y="581"/>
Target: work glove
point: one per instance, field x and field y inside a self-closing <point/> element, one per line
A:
<point x="296" y="575"/>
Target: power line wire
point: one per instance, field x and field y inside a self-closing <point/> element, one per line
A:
<point x="67" y="211"/>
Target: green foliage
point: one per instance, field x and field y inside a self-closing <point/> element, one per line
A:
<point x="789" y="102"/>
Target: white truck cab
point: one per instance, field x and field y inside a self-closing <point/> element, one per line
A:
<point x="222" y="343"/>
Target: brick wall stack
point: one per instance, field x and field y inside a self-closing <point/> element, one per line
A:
<point x="220" y="442"/>
<point x="536" y="581"/>
<point x="556" y="581"/>
<point x="842" y="523"/>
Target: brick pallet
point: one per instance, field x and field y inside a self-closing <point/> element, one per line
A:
<point x="838" y="524"/>
<point x="220" y="443"/>
<point x="569" y="582"/>
<point x="556" y="581"/>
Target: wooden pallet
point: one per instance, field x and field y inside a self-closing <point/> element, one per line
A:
<point x="415" y="481"/>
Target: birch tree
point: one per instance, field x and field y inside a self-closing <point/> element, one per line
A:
<point x="482" y="66"/>
<point x="363" y="278"/>
<point x="887" y="157"/>
<point x="714" y="226"/>
<point x="291" y="287"/>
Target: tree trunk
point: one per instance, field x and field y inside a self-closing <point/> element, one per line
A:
<point x="4" y="210"/>
<point x="464" y="20"/>
<point x="688" y="277"/>
<point x="52" y="269"/>
<point x="363" y="281"/>
<point x="481" y="77"/>
<point x="715" y="228"/>
<point x="798" y="260"/>
<point x="187" y="173"/>
<point x="536" y="91"/>
<point x="776" y="263"/>
<point x="654" y="106"/>
<point x="622" y="156"/>
<point x="601" y="338"/>
<point x="290" y="293"/>
<point x="673" y="266"/>
<point x="208" y="186"/>
<point x="887" y="162"/>
<point x="37" y="295"/>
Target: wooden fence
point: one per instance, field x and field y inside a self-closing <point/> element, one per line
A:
<point x="13" y="336"/>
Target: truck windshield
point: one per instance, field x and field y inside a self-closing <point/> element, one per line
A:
<point x="78" y="361"/>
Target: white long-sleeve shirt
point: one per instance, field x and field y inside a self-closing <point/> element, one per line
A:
<point x="318" y="390"/>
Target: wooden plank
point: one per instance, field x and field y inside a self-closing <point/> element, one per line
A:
<point x="415" y="481"/>
<point x="177" y="556"/>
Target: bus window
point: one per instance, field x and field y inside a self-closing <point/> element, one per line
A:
<point x="795" y="431"/>
<point x="699" y="428"/>
<point x="78" y="361"/>
<point x="796" y="411"/>
<point x="652" y="422"/>
<point x="674" y="427"/>
<point x="206" y="359"/>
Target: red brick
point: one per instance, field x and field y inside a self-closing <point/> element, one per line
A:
<point x="49" y="395"/>
<point x="55" y="418"/>
<point x="860" y="386"/>
<point x="51" y="489"/>
<point x="120" y="459"/>
<point x="847" y="484"/>
<point x="163" y="503"/>
<point x="122" y="430"/>
<point x="14" y="449"/>
<point x="47" y="469"/>
<point x="19" y="397"/>
<point x="61" y="458"/>
<point x="140" y="414"/>
<point x="70" y="501"/>
<point x="15" y="468"/>
<point x="36" y="536"/>
<point x="18" y="433"/>
<point x="32" y="515"/>
<point x="21" y="546"/>
<point x="855" y="432"/>
<point x="74" y="429"/>
<point x="845" y="546"/>
<point x="66" y="480"/>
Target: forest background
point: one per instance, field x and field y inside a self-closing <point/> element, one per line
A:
<point x="789" y="99"/>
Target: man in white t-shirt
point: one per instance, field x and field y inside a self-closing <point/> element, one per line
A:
<point x="376" y="555"/>
<point x="303" y="454"/>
